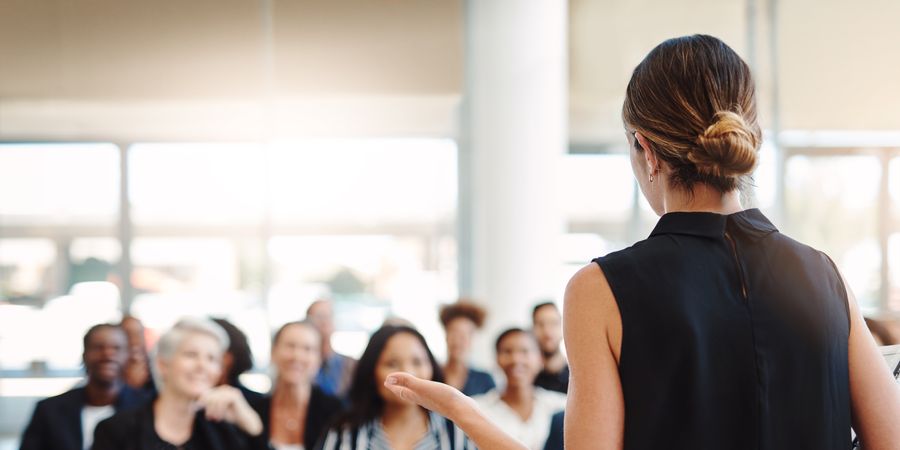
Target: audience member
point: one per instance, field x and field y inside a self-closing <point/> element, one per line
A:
<point x="378" y="419"/>
<point x="236" y="360"/>
<point x="522" y="409"/>
<point x="337" y="370"/>
<point x="297" y="413"/>
<point x="460" y="320"/>
<point x="190" y="412"/>
<point x="137" y="368"/>
<point x="547" y="324"/>
<point x="555" y="440"/>
<point x="67" y="421"/>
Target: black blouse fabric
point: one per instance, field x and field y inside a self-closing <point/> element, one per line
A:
<point x="134" y="430"/>
<point x="734" y="336"/>
<point x="320" y="412"/>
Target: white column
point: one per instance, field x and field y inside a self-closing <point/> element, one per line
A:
<point x="514" y="132"/>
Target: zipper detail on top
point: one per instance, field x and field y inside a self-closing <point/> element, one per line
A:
<point x="737" y="264"/>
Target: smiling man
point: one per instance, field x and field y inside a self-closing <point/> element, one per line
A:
<point x="67" y="421"/>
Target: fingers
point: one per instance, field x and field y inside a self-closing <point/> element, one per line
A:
<point x="403" y="392"/>
<point x="219" y="403"/>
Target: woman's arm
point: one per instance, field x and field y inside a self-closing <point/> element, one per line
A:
<point x="592" y="328"/>
<point x="452" y="404"/>
<point x="874" y="395"/>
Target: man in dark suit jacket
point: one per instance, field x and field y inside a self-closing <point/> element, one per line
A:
<point x="57" y="421"/>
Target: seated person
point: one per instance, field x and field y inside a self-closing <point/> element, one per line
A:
<point x="380" y="420"/>
<point x="67" y="421"/>
<point x="557" y="427"/>
<point x="237" y="360"/>
<point x="337" y="370"/>
<point x="190" y="412"/>
<point x="297" y="413"/>
<point x="460" y="321"/>
<point x="521" y="409"/>
<point x="547" y="326"/>
<point x="137" y="368"/>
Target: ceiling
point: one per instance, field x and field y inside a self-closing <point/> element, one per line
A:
<point x="235" y="69"/>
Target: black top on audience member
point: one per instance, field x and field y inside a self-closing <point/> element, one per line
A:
<point x="547" y="327"/>
<point x="237" y="359"/>
<point x="57" y="421"/>
<point x="188" y="362"/>
<point x="296" y="411"/>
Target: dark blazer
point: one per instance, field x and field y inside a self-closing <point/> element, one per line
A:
<point x="555" y="439"/>
<point x="56" y="422"/>
<point x="323" y="408"/>
<point x="478" y="382"/>
<point x="250" y="395"/>
<point x="133" y="430"/>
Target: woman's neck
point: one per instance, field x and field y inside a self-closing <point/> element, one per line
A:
<point x="395" y="413"/>
<point x="454" y="363"/>
<point x="102" y="394"/>
<point x="173" y="417"/>
<point x="291" y="394"/>
<point x="702" y="198"/>
<point x="520" y="399"/>
<point x="456" y="372"/>
<point x="518" y="394"/>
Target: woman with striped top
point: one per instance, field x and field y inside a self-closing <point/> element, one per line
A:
<point x="378" y="419"/>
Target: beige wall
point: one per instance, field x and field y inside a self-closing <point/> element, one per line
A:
<point x="171" y="69"/>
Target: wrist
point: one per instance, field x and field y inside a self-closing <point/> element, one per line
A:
<point x="461" y="408"/>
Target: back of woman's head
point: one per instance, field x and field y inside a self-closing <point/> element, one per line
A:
<point x="365" y="402"/>
<point x="239" y="348"/>
<point x="694" y="100"/>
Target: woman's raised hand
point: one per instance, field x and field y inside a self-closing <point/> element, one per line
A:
<point x="227" y="404"/>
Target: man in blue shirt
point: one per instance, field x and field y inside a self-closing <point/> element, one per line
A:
<point x="337" y="370"/>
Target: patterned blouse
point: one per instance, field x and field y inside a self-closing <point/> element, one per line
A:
<point x="442" y="435"/>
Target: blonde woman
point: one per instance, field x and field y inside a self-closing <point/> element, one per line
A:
<point x="189" y="412"/>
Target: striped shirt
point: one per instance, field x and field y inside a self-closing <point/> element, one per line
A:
<point x="442" y="435"/>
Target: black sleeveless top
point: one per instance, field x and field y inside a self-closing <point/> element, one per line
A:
<point x="734" y="336"/>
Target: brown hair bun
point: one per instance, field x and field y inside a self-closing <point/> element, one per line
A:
<point x="727" y="148"/>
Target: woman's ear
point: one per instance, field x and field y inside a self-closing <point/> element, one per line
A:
<point x="649" y="155"/>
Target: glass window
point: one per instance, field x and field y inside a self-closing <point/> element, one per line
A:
<point x="894" y="272"/>
<point x="832" y="205"/>
<point x="894" y="190"/>
<point x="363" y="181"/>
<point x="27" y="279"/>
<point x="86" y="304"/>
<point x="764" y="177"/>
<point x="196" y="184"/>
<point x="27" y="270"/>
<point x="94" y="259"/>
<point x="894" y="239"/>
<point x="59" y="184"/>
<point x="370" y="278"/>
<point x="596" y="187"/>
<point x="209" y="277"/>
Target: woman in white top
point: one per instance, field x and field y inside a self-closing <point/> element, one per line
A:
<point x="521" y="408"/>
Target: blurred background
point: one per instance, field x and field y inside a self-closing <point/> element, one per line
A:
<point x="242" y="158"/>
